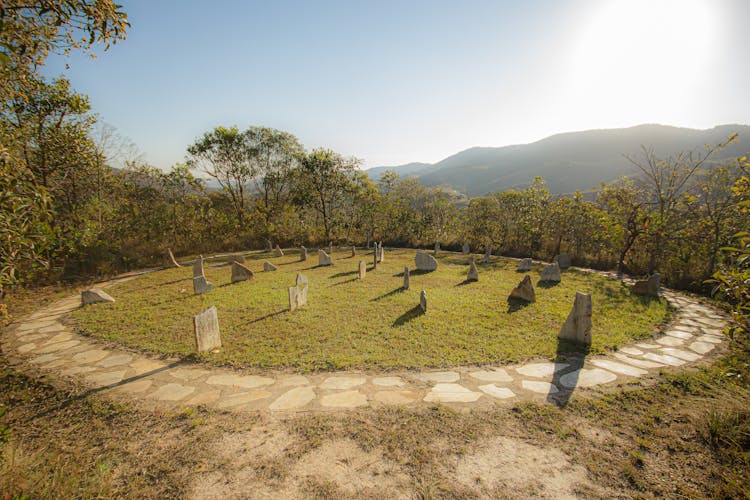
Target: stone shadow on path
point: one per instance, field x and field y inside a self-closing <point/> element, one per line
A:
<point x="574" y="356"/>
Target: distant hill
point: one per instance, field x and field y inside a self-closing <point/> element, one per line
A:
<point x="568" y="162"/>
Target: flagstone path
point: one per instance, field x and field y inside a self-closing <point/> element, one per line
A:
<point x="41" y="344"/>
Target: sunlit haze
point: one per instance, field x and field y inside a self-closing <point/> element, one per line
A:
<point x="394" y="82"/>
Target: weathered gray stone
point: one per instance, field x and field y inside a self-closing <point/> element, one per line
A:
<point x="406" y="278"/>
<point x="95" y="295"/>
<point x="524" y="265"/>
<point x="267" y="266"/>
<point x="437" y="247"/>
<point x="279" y="252"/>
<point x="466" y="248"/>
<point x="303" y="254"/>
<point x="587" y="378"/>
<point x="206" y="325"/>
<point x="240" y="273"/>
<point x="451" y="393"/>
<point x="487" y="254"/>
<point x="649" y="286"/>
<point x="551" y="273"/>
<point x="171" y="262"/>
<point x="524" y="290"/>
<point x="293" y="399"/>
<point x="201" y="285"/>
<point x="381" y="257"/>
<point x="298" y="293"/>
<point x="324" y="259"/>
<point x="198" y="267"/>
<point x="577" y="327"/>
<point x="375" y="255"/>
<point x="236" y="258"/>
<point x="563" y="260"/>
<point x="423" y="301"/>
<point x="425" y="262"/>
<point x="301" y="279"/>
<point x="362" y="269"/>
<point x="473" y="274"/>
<point x="342" y="383"/>
<point x="354" y="251"/>
<point x="293" y="298"/>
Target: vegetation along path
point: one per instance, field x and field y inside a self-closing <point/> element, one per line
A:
<point x="42" y="344"/>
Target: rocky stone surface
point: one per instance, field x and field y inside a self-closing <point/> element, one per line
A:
<point x="267" y="266"/>
<point x="303" y="254"/>
<point x="201" y="285"/>
<point x="94" y="296"/>
<point x="240" y="273"/>
<point x="406" y="278"/>
<point x="198" y="267"/>
<point x="524" y="265"/>
<point x="551" y="273"/>
<point x="649" y="286"/>
<point x="524" y="291"/>
<point x="425" y="262"/>
<point x="206" y="328"/>
<point x="278" y="252"/>
<point x="487" y="253"/>
<point x="423" y="301"/>
<point x="563" y="260"/>
<point x="324" y="259"/>
<point x="577" y="328"/>
<point x="466" y="248"/>
<point x="473" y="274"/>
<point x="362" y="269"/>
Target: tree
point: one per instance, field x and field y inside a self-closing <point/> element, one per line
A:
<point x="623" y="201"/>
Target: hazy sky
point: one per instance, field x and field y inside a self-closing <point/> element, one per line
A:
<point x="393" y="82"/>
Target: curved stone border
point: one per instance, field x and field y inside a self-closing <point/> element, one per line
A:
<point x="42" y="344"/>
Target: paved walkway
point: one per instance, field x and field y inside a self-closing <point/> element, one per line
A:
<point x="42" y="344"/>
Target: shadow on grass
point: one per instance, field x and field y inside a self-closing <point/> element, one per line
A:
<point x="465" y="282"/>
<point x="409" y="315"/>
<point x="415" y="272"/>
<point x="515" y="304"/>
<point x="573" y="355"/>
<point x="388" y="294"/>
<point x="345" y="281"/>
<point x="269" y="315"/>
<point x="547" y="284"/>
<point x="341" y="275"/>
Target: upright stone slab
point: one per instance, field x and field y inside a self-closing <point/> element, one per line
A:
<point x="375" y="255"/>
<point x="171" y="262"/>
<point x="240" y="273"/>
<point x="524" y="290"/>
<point x="303" y="254"/>
<point x="354" y="251"/>
<point x="563" y="260"/>
<point x="298" y="293"/>
<point x="577" y="328"/>
<point x="198" y="267"/>
<point x="293" y="298"/>
<point x="267" y="266"/>
<point x="302" y="294"/>
<point x="423" y="301"/>
<point x="95" y="295"/>
<point x="551" y="273"/>
<point x="323" y="258"/>
<point x="368" y="241"/>
<point x="425" y="262"/>
<point x="279" y="252"/>
<point x="487" y="254"/>
<point x="362" y="269"/>
<point x="649" y="286"/>
<point x="437" y="247"/>
<point x="466" y="248"/>
<point x="235" y="258"/>
<point x="381" y="258"/>
<point x="524" y="265"/>
<point x="406" y="278"/>
<point x="201" y="285"/>
<point x="301" y="279"/>
<point x="206" y="326"/>
<point x="473" y="274"/>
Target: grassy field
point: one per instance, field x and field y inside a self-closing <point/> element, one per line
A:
<point x="370" y="323"/>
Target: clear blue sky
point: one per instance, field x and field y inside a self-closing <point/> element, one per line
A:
<point x="393" y="82"/>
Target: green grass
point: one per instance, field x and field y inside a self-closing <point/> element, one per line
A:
<point x="373" y="323"/>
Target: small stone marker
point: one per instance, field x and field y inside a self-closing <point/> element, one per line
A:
<point x="368" y="241"/>
<point x="267" y="266"/>
<point x="362" y="269"/>
<point x="563" y="260"/>
<point x="171" y="262"/>
<point x="293" y="298"/>
<point x="473" y="274"/>
<point x="423" y="301"/>
<point x="201" y="285"/>
<point x="437" y="247"/>
<point x="524" y="265"/>
<point x="240" y="273"/>
<point x="323" y="258"/>
<point x="551" y="273"/>
<point x="303" y="255"/>
<point x="649" y="286"/>
<point x="577" y="327"/>
<point x="198" y="267"/>
<point x="279" y="251"/>
<point x="425" y="262"/>
<point x="375" y="255"/>
<point x="95" y="295"/>
<point x="235" y="258"/>
<point x="381" y="258"/>
<point x="298" y="293"/>
<point x="487" y="254"/>
<point x="406" y="278"/>
<point x="466" y="248"/>
<point x="524" y="290"/>
<point x="301" y="279"/>
<point x="354" y="251"/>
<point x="206" y="324"/>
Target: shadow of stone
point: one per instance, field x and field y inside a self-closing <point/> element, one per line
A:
<point x="464" y="283"/>
<point x="515" y="304"/>
<point x="409" y="315"/>
<point x="345" y="281"/>
<point x="415" y="272"/>
<point x="388" y="294"/>
<point x="269" y="315"/>
<point x="573" y="355"/>
<point x="547" y="284"/>
<point x="341" y="275"/>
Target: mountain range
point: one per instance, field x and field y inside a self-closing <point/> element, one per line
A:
<point x="569" y="161"/>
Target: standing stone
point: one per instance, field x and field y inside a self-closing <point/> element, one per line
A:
<point x="330" y="248"/>
<point x="240" y="273"/>
<point x="375" y="255"/>
<point x="473" y="274"/>
<point x="171" y="262"/>
<point x="381" y="258"/>
<point x="301" y="279"/>
<point x="302" y="293"/>
<point x="198" y="267"/>
<point x="269" y="246"/>
<point x="354" y="251"/>
<point x="577" y="327"/>
<point x="487" y="254"/>
<point x="201" y="285"/>
<point x="267" y="266"/>
<point x="406" y="278"/>
<point x="524" y="265"/>
<point x="303" y="255"/>
<point x="95" y="295"/>
<point x="279" y="251"/>
<point x="323" y="258"/>
<point x="649" y="286"/>
<point x="423" y="301"/>
<point x="425" y="262"/>
<point x="298" y="293"/>
<point x="362" y="269"/>
<point x="551" y="272"/>
<point x="293" y="298"/>
<point x="235" y="258"/>
<point x="466" y="248"/>
<point x="437" y="247"/>
<point x="368" y="241"/>
<point x="206" y="325"/>
<point x="524" y="290"/>
<point x="563" y="260"/>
